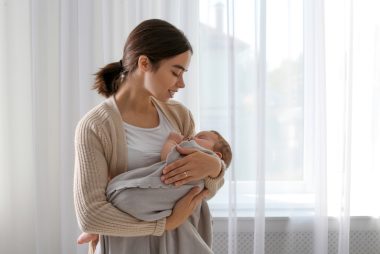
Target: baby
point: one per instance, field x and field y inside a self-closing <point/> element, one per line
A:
<point x="124" y="190"/>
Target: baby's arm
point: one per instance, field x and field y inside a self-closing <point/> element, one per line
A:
<point x="172" y="140"/>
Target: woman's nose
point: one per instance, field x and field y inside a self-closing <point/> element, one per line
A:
<point x="181" y="83"/>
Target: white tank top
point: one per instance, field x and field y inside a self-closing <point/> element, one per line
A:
<point x="144" y="144"/>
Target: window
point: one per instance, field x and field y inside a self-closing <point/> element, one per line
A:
<point x="287" y="182"/>
<point x="228" y="103"/>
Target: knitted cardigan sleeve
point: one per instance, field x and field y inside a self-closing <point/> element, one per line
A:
<point x="214" y="184"/>
<point x="94" y="213"/>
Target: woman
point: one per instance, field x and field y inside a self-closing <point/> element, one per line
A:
<point x="128" y="130"/>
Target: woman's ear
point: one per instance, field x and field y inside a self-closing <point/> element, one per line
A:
<point x="143" y="63"/>
<point x="219" y="154"/>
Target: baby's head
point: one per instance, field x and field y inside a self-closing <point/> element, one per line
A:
<point x="215" y="142"/>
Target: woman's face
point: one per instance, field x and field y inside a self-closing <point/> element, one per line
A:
<point x="168" y="78"/>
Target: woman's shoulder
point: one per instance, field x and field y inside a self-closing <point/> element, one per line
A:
<point x="98" y="115"/>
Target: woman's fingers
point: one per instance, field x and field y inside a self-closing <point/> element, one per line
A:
<point x="178" y="180"/>
<point x="178" y="170"/>
<point x="174" y="165"/>
<point x="179" y="162"/>
<point x="199" y="163"/>
<point x="183" y="181"/>
<point x="177" y="173"/>
<point x="193" y="167"/>
<point x="179" y="176"/>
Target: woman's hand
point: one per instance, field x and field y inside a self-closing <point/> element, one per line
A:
<point x="196" y="165"/>
<point x="185" y="207"/>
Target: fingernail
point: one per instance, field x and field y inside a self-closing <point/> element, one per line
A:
<point x="162" y="178"/>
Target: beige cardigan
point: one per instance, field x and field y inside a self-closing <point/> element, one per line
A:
<point x="101" y="154"/>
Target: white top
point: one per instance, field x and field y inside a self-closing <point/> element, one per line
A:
<point x="144" y="144"/>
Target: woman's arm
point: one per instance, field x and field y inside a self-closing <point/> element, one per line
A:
<point x="94" y="213"/>
<point x="185" y="206"/>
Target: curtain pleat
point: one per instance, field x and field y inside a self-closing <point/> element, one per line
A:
<point x="315" y="117"/>
<point x="344" y="216"/>
<point x="261" y="82"/>
<point x="232" y="198"/>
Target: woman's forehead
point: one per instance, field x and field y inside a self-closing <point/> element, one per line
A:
<point x="180" y="61"/>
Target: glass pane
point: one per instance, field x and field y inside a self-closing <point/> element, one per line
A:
<point x="227" y="78"/>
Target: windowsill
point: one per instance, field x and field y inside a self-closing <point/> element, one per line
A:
<point x="282" y="224"/>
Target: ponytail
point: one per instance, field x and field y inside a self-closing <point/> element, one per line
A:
<point x="109" y="78"/>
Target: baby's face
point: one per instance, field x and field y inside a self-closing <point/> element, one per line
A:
<point x="206" y="139"/>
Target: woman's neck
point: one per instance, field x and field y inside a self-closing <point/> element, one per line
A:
<point x="132" y="97"/>
<point x="135" y="105"/>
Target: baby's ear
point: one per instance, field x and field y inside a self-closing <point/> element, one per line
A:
<point x="219" y="154"/>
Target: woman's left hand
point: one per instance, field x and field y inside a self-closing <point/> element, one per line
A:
<point x="196" y="165"/>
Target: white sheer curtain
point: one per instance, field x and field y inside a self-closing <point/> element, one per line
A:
<point x="294" y="86"/>
<point x="49" y="50"/>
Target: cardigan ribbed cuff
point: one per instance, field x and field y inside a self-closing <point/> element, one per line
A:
<point x="214" y="184"/>
<point x="160" y="227"/>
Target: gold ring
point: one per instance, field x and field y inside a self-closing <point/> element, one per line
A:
<point x="185" y="173"/>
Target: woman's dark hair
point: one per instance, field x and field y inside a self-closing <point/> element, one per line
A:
<point x="154" y="38"/>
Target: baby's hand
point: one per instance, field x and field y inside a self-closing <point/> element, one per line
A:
<point x="86" y="238"/>
<point x="176" y="137"/>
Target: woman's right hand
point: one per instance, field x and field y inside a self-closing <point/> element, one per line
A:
<point x="185" y="207"/>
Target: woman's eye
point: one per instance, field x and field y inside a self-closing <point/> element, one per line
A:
<point x="175" y="74"/>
